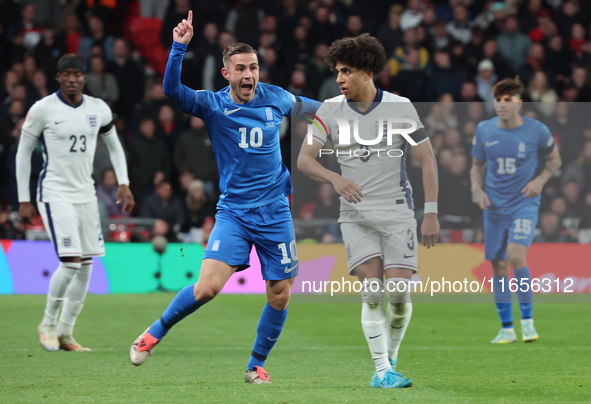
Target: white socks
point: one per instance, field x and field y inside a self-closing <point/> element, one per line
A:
<point x="399" y="312"/>
<point x="57" y="289"/>
<point x="75" y="294"/>
<point x="373" y="323"/>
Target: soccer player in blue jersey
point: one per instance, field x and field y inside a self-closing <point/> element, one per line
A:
<point x="243" y="123"/>
<point x="519" y="156"/>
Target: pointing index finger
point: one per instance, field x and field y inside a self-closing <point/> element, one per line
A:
<point x="190" y="17"/>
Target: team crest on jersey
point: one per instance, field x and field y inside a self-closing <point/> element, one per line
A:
<point x="92" y="121"/>
<point x="269" y="113"/>
<point x="29" y="119"/>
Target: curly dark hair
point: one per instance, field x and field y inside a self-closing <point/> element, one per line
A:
<point x="508" y="87"/>
<point x="363" y="53"/>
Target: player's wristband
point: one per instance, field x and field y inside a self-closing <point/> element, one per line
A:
<point x="430" y="207"/>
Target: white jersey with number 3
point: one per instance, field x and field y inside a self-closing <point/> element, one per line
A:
<point x="380" y="170"/>
<point x="68" y="135"/>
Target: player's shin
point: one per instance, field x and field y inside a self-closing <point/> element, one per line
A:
<point x="74" y="299"/>
<point x="268" y="330"/>
<point x="57" y="289"/>
<point x="524" y="292"/>
<point x="182" y="305"/>
<point x="399" y="313"/>
<point x="373" y="323"/>
<point x="503" y="300"/>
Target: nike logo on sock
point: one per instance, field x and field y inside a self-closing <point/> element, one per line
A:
<point x="370" y="337"/>
<point x="272" y="340"/>
<point x="397" y="328"/>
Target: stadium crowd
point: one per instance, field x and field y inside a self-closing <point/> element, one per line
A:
<point x="445" y="56"/>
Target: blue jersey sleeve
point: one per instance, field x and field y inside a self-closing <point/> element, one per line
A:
<point x="545" y="140"/>
<point x="296" y="105"/>
<point x="190" y="101"/>
<point x="477" y="144"/>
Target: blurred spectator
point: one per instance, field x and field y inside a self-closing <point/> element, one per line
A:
<point x="513" y="45"/>
<point x="390" y="35"/>
<point x="9" y="13"/>
<point x="413" y="15"/>
<point x="327" y="204"/>
<point x="579" y="79"/>
<point x="194" y="151"/>
<point x="558" y="58"/>
<point x="106" y="193"/>
<point x="97" y="35"/>
<point x="147" y="156"/>
<point x="102" y="84"/>
<point x="245" y="21"/>
<point x="485" y="80"/>
<point x="49" y="50"/>
<point x="568" y="126"/>
<point x="167" y="127"/>
<point x="30" y="30"/>
<point x="528" y="14"/>
<point x="494" y="29"/>
<point x="412" y="82"/>
<point x="129" y="79"/>
<point x="543" y="28"/>
<point x="446" y="78"/>
<point x="298" y="50"/>
<point x="460" y="27"/>
<point x="502" y="68"/>
<point x="297" y="84"/>
<point x="585" y="225"/>
<point x="212" y="78"/>
<point x="276" y="74"/>
<point x="536" y="62"/>
<point x="540" y="92"/>
<point x="154" y="8"/>
<point x="353" y="27"/>
<point x="485" y="17"/>
<point x="162" y="204"/>
<point x="155" y="99"/>
<point x="456" y="209"/>
<point x="199" y="206"/>
<point x="441" y="38"/>
<point x="468" y="93"/>
<point x="186" y="177"/>
<point x="399" y="59"/>
<point x="70" y="34"/>
<point x="570" y="14"/>
<point x="178" y="10"/>
<point x="550" y="229"/>
<point x="577" y="39"/>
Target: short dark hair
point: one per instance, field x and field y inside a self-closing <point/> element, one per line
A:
<point x="508" y="87"/>
<point x="363" y="52"/>
<point x="235" y="49"/>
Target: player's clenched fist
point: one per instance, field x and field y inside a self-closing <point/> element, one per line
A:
<point x="184" y="30"/>
<point x="346" y="188"/>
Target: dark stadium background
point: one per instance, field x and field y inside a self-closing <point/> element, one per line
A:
<point x="439" y="51"/>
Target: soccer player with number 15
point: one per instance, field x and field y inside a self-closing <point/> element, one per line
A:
<point x="509" y="148"/>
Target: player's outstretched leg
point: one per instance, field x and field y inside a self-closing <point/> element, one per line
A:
<point x="268" y="330"/>
<point x="57" y="288"/>
<point x="74" y="301"/>
<point x="182" y="305"/>
<point x="503" y="300"/>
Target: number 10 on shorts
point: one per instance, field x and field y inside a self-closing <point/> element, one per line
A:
<point x="292" y="248"/>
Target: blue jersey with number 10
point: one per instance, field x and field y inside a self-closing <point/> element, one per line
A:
<point x="245" y="137"/>
<point x="513" y="158"/>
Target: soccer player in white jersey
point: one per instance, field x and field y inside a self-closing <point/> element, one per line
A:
<point x="377" y="217"/>
<point x="68" y="123"/>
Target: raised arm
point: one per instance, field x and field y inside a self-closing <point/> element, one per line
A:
<point x="479" y="197"/>
<point x="182" y="95"/>
<point x="308" y="164"/>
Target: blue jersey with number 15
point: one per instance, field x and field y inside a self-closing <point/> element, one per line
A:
<point x="513" y="158"/>
<point x="245" y="137"/>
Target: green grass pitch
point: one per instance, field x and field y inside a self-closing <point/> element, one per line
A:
<point x="321" y="356"/>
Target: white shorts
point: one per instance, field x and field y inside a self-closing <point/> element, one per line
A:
<point x="388" y="234"/>
<point x="74" y="228"/>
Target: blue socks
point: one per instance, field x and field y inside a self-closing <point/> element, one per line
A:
<point x="526" y="299"/>
<point x="503" y="299"/>
<point x="268" y="330"/>
<point x="182" y="305"/>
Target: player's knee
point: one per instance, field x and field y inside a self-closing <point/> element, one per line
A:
<point x="500" y="268"/>
<point x="373" y="293"/>
<point x="279" y="301"/>
<point x="205" y="293"/>
<point x="516" y="259"/>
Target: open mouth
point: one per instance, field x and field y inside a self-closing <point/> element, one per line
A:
<point x="343" y="90"/>
<point x="247" y="87"/>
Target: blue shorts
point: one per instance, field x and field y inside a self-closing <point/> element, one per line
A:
<point x="269" y="228"/>
<point x="499" y="230"/>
